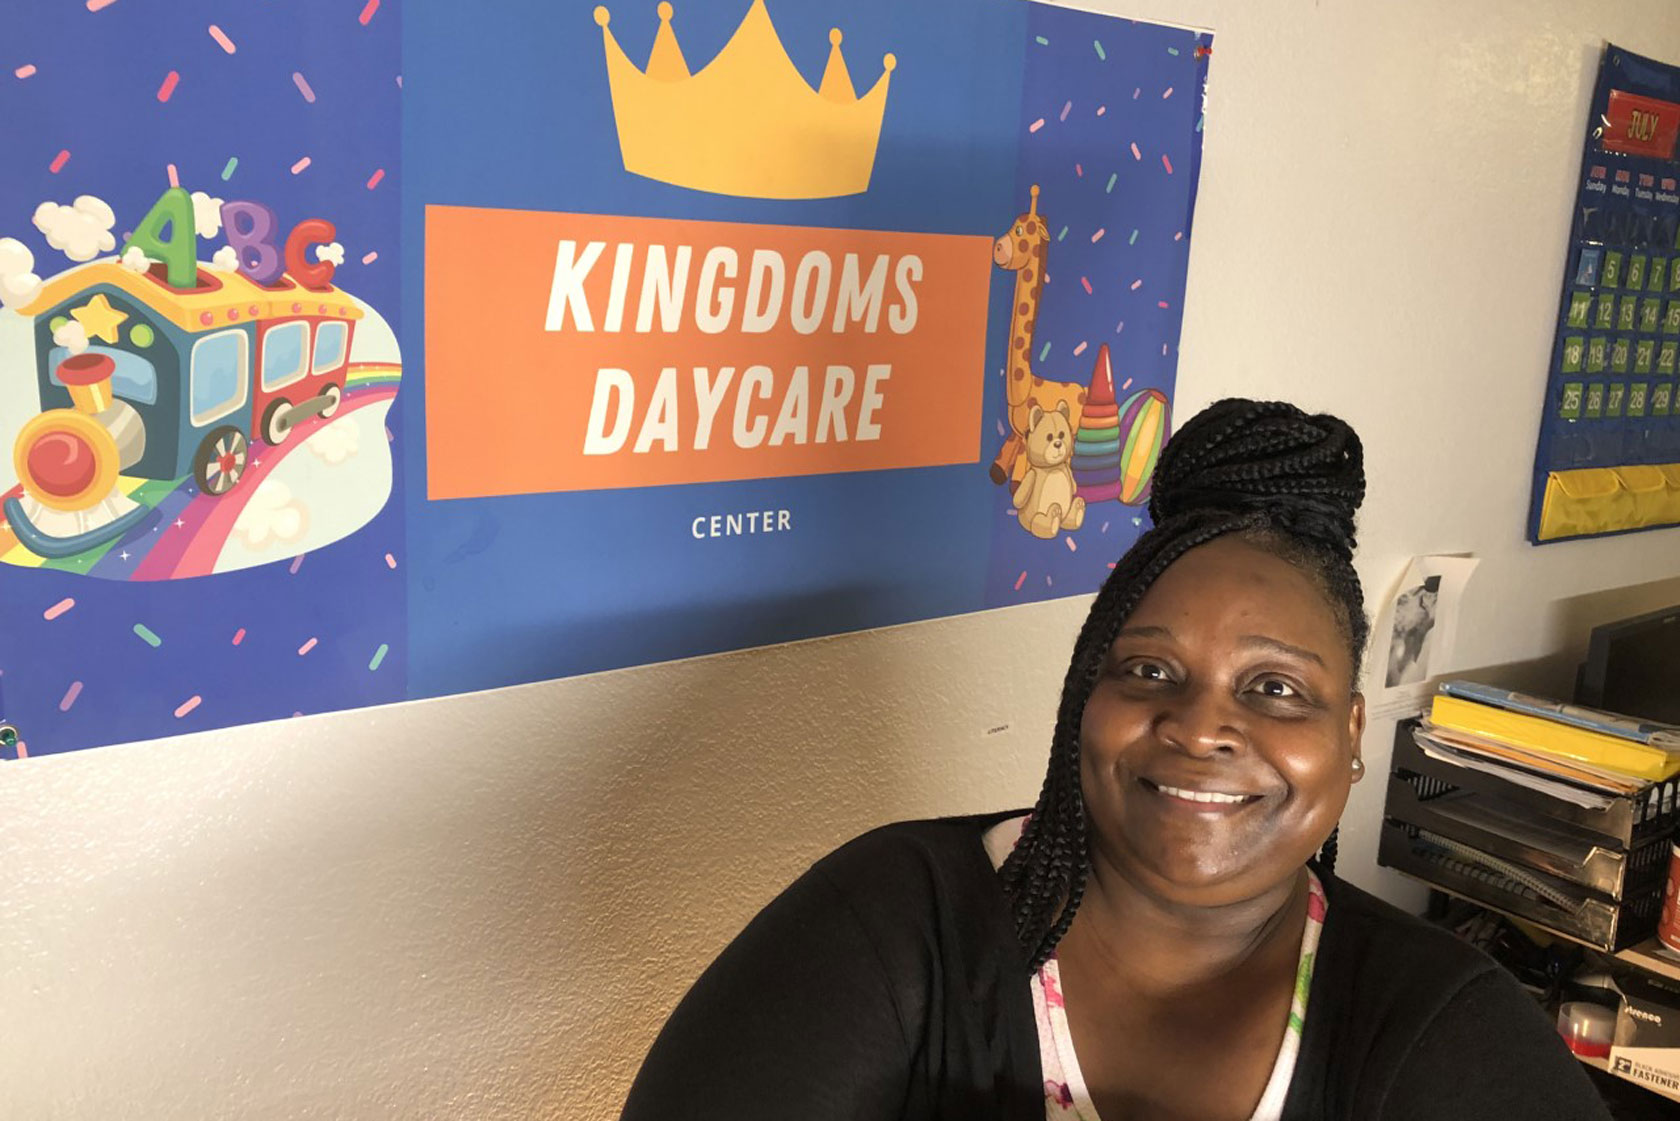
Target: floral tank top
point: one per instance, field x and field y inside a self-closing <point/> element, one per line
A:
<point x="1065" y="1095"/>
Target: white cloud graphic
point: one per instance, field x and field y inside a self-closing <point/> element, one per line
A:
<point x="72" y="336"/>
<point x="207" y="214"/>
<point x="335" y="443"/>
<point x="18" y="282"/>
<point x="82" y="229"/>
<point x="271" y="517"/>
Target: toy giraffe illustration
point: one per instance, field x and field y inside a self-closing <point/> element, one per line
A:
<point x="1024" y="249"/>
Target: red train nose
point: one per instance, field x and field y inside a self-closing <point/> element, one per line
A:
<point x="62" y="463"/>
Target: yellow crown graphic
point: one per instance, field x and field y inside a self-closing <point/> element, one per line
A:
<point x="748" y="123"/>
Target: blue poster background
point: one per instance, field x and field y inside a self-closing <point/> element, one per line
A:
<point x="530" y="587"/>
<point x="506" y="105"/>
<point x="94" y="93"/>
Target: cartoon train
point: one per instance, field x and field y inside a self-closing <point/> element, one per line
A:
<point x="173" y="382"/>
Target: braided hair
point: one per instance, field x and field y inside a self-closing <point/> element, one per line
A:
<point x="1280" y="479"/>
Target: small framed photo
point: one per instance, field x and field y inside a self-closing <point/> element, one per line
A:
<point x="1587" y="266"/>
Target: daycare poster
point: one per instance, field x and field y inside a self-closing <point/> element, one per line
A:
<point x="355" y="351"/>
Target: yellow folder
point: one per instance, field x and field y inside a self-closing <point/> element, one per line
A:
<point x="1536" y="733"/>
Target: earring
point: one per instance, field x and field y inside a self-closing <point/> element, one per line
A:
<point x="1358" y="766"/>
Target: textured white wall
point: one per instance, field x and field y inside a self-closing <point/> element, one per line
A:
<point x="482" y="907"/>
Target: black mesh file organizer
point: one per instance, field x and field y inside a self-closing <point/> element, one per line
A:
<point x="1590" y="873"/>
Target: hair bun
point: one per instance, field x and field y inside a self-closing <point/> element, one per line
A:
<point x="1305" y="473"/>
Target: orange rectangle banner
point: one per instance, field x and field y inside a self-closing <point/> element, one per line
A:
<point x="570" y="352"/>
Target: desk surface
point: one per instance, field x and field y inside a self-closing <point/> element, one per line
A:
<point x="1649" y="956"/>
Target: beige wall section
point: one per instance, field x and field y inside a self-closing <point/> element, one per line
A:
<point x="482" y="907"/>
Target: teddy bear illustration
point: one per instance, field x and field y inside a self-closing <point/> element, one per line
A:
<point x="1045" y="500"/>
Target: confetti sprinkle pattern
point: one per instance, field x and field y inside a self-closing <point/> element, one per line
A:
<point x="231" y="639"/>
<point x="1078" y="151"/>
<point x="302" y="84"/>
<point x="1093" y="151"/>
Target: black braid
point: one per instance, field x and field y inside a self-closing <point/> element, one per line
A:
<point x="1285" y="481"/>
<point x="1327" y="854"/>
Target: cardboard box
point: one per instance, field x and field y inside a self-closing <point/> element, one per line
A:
<point x="1646" y="1048"/>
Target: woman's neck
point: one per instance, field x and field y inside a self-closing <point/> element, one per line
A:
<point x="1158" y="948"/>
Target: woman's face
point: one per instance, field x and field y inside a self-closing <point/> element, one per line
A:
<point x="1217" y="746"/>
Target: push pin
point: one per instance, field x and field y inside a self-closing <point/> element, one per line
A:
<point x="11" y="746"/>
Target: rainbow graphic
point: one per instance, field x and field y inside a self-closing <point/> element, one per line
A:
<point x="186" y="530"/>
<point x="1096" y="446"/>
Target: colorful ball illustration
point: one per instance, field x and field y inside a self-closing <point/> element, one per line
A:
<point x="1143" y="430"/>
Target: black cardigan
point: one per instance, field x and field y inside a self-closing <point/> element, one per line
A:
<point x="886" y="984"/>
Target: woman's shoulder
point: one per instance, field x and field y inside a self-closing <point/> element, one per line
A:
<point x="1407" y="1020"/>
<point x="911" y="855"/>
<point x="910" y="875"/>
<point x="1373" y="941"/>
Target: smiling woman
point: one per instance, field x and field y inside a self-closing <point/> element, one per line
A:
<point x="1163" y="934"/>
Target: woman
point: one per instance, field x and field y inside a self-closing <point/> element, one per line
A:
<point x="1155" y="940"/>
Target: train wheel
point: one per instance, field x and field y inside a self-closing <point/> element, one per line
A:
<point x="333" y="395"/>
<point x="277" y="422"/>
<point x="221" y="460"/>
